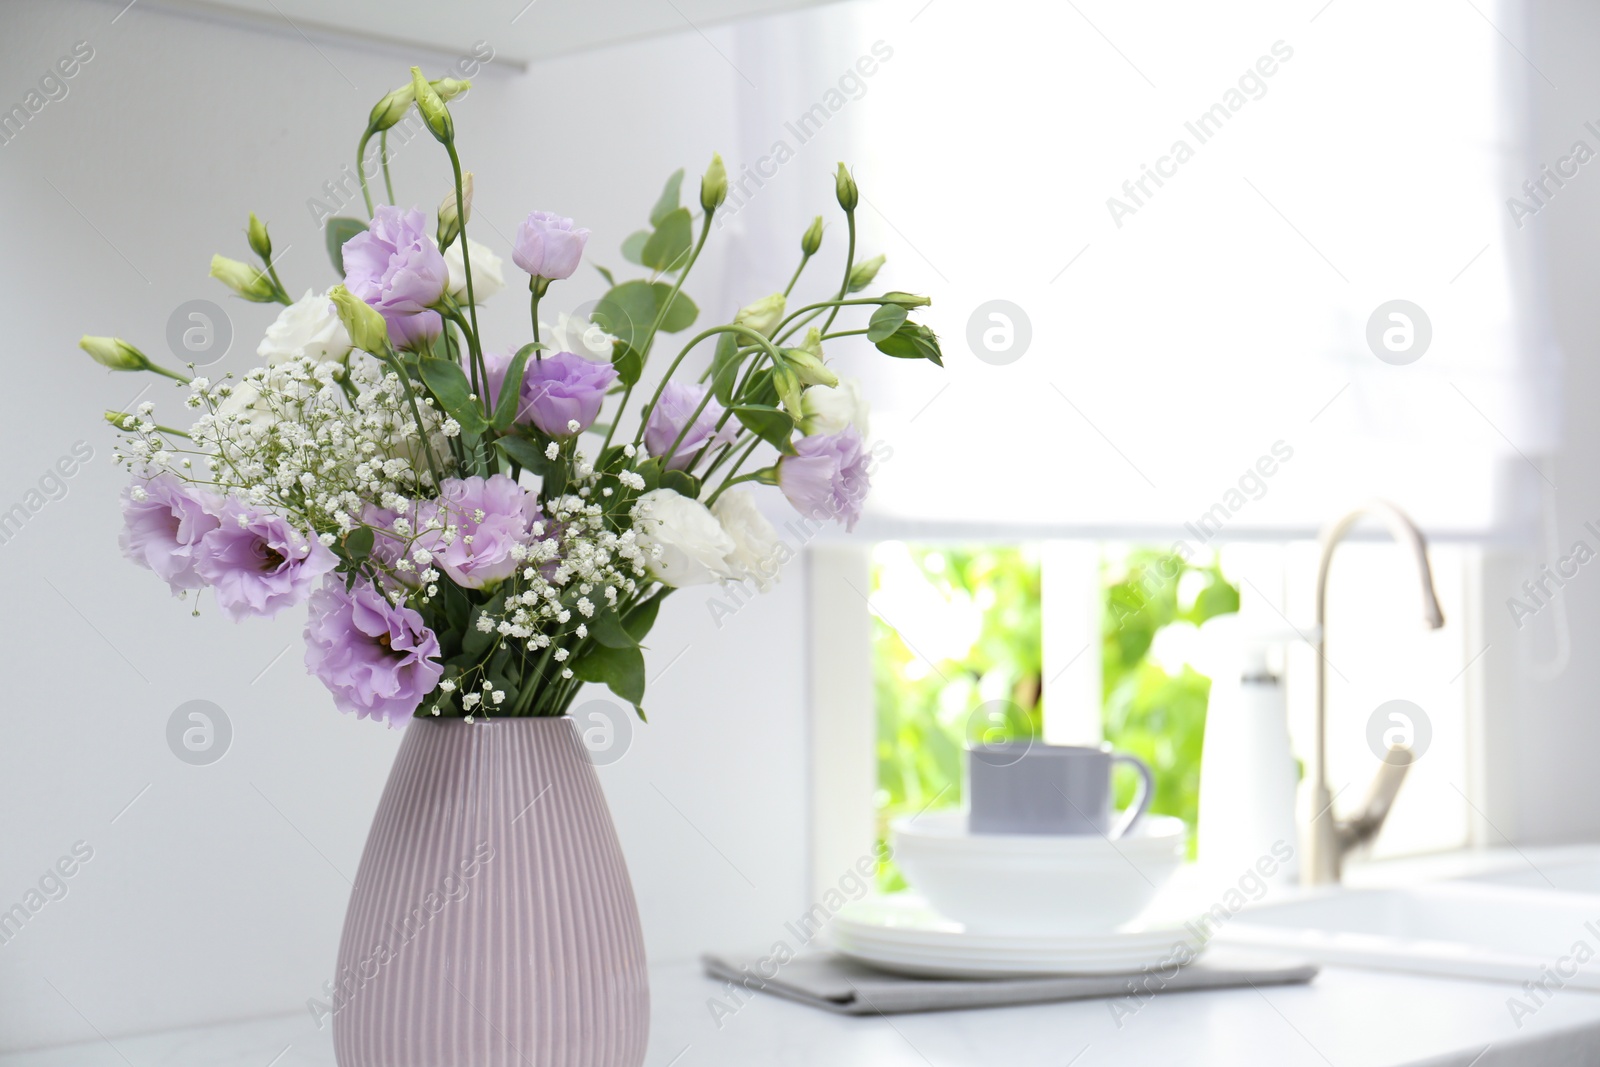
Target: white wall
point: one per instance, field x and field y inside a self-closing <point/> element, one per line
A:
<point x="219" y="893"/>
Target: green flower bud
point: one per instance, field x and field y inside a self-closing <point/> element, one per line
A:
<point x="811" y="240"/>
<point x="243" y="279"/>
<point x="391" y="109"/>
<point x="906" y="300"/>
<point x="260" y="243"/>
<point x="450" y="220"/>
<point x="844" y="188"/>
<point x="714" y="184"/>
<point x="114" y="352"/>
<point x="434" y="114"/>
<point x="787" y="383"/>
<point x="362" y="322"/>
<point x="450" y="88"/>
<point x="762" y="316"/>
<point x="119" y="419"/>
<point x="862" y="273"/>
<point x="809" y="368"/>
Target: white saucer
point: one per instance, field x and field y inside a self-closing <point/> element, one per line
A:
<point x="902" y="933"/>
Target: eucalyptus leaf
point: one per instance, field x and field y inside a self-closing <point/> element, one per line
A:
<point x="668" y="248"/>
<point x="668" y="202"/>
<point x="633" y="247"/>
<point x="606" y="274"/>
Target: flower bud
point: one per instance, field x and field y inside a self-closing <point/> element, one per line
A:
<point x="391" y="109"/>
<point x="906" y="300"/>
<point x="450" y="220"/>
<point x="763" y="316"/>
<point x="362" y="322"/>
<point x="844" y="187"/>
<point x="114" y="352"/>
<point x="714" y="184"/>
<point x="119" y="419"/>
<point x="811" y="240"/>
<point x="787" y="383"/>
<point x="862" y="273"/>
<point x="809" y="368"/>
<point x="450" y="88"/>
<point x="243" y="279"/>
<point x="434" y="114"/>
<point x="260" y="243"/>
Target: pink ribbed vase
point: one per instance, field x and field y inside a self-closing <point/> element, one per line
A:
<point x="492" y="923"/>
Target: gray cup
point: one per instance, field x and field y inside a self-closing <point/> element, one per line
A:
<point x="1025" y="788"/>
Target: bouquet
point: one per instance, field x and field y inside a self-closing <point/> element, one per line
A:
<point x="479" y="530"/>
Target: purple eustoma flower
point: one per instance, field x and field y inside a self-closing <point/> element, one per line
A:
<point x="558" y="390"/>
<point x="257" y="564"/>
<point x="396" y="267"/>
<point x="376" y="658"/>
<point x="164" y="522"/>
<point x="828" y="477"/>
<point x="548" y="246"/>
<point x="490" y="517"/>
<point x="672" y="410"/>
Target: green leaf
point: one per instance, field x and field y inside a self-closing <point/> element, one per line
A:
<point x="912" y="341"/>
<point x="639" y="620"/>
<point x="629" y="364"/>
<point x="338" y="230"/>
<point x="450" y="387"/>
<point x="885" y="321"/>
<point x="682" y="483"/>
<point x="358" y="544"/>
<point x="681" y="315"/>
<point x="668" y="248"/>
<point x="523" y="451"/>
<point x="505" y="412"/>
<point x="760" y="390"/>
<point x="620" y="669"/>
<point x="768" y="423"/>
<point x="607" y="629"/>
<point x="668" y="202"/>
<point x="633" y="247"/>
<point x="725" y="368"/>
<point x="628" y="310"/>
<point x="606" y="274"/>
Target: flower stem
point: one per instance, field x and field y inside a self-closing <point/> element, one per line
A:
<point x="383" y="154"/>
<point x="361" y="169"/>
<point x="849" y="265"/>
<point x="745" y="331"/>
<point x="466" y="268"/>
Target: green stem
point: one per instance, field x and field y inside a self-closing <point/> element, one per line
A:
<point x="156" y="368"/>
<point x="844" y="333"/>
<point x="361" y="169"/>
<point x="661" y="316"/>
<point x="383" y="154"/>
<point x="644" y="416"/>
<point x="466" y="268"/>
<point x="816" y="309"/>
<point x="533" y="312"/>
<point x="849" y="265"/>
<point x="805" y="257"/>
<point x="729" y="479"/>
<point x="393" y="364"/>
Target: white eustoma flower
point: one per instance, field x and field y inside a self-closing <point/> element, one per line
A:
<point x="487" y="277"/>
<point x="309" y="328"/>
<point x="683" y="541"/>
<point x="833" y="409"/>
<point x="578" y="336"/>
<point x="758" y="552"/>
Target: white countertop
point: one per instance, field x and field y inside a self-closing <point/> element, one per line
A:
<point x="1344" y="1018"/>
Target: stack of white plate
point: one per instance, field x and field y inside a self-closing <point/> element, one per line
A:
<point x="903" y="934"/>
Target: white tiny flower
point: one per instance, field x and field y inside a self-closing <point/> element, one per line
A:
<point x="447" y="686"/>
<point x="552" y="450"/>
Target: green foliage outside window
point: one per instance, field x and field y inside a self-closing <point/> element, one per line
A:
<point x="933" y="693"/>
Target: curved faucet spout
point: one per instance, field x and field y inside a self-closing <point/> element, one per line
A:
<point x="1327" y="839"/>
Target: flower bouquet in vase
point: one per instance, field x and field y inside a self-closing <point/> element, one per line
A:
<point x="473" y="544"/>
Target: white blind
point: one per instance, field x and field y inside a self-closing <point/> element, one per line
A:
<point x="1198" y="209"/>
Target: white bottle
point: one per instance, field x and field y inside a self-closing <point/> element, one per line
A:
<point x="1248" y="776"/>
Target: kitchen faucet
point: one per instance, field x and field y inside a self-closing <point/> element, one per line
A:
<point x="1325" y="839"/>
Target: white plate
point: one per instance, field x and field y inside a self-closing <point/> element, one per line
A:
<point x="903" y="934"/>
<point x="1155" y="834"/>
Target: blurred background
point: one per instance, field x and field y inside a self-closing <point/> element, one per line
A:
<point x="1165" y="244"/>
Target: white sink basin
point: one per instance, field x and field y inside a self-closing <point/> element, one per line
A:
<point x="1580" y="874"/>
<point x="1457" y="930"/>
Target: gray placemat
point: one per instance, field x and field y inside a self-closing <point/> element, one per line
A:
<point x="838" y="984"/>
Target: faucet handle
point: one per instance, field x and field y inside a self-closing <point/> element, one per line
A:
<point x="1364" y="826"/>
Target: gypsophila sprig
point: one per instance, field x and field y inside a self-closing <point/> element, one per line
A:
<point x="455" y="516"/>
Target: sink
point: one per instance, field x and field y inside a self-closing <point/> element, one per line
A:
<point x="1460" y="929"/>
<point x="1580" y="874"/>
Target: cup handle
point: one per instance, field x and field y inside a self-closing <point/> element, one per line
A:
<point x="1141" y="803"/>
